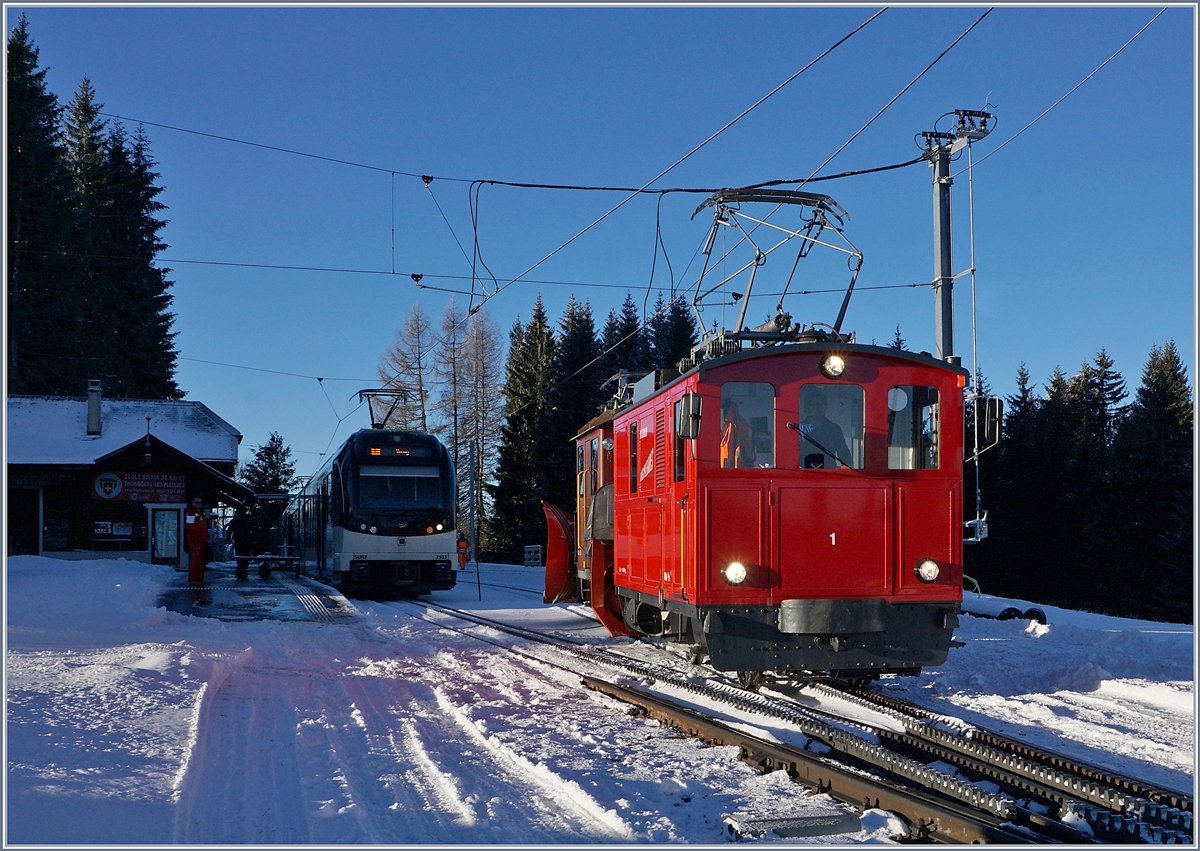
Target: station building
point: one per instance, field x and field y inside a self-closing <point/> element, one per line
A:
<point x="93" y="475"/>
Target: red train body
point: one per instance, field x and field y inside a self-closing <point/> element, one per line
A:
<point x="812" y="526"/>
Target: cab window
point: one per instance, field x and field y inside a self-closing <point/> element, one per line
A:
<point x="747" y="424"/>
<point x="633" y="456"/>
<point x="831" y="426"/>
<point x="912" y="428"/>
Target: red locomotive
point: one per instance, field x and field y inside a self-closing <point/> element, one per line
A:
<point x="794" y="506"/>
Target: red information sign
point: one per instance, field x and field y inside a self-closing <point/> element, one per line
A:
<point x="141" y="487"/>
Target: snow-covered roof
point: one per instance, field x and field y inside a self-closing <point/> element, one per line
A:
<point x="53" y="429"/>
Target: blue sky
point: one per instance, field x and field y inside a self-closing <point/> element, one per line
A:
<point x="1084" y="224"/>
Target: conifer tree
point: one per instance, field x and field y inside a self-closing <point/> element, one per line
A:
<point x="1153" y="478"/>
<point x="85" y="300"/>
<point x="138" y="351"/>
<point x="41" y="307"/>
<point x="574" y="398"/>
<point x="625" y="344"/>
<point x="672" y="332"/>
<point x="272" y="472"/>
<point x="517" y="518"/>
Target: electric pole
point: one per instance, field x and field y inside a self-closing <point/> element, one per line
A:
<point x="939" y="146"/>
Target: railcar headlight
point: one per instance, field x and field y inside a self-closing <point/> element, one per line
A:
<point x="833" y="366"/>
<point x="927" y="570"/>
<point x="440" y="527"/>
<point x="735" y="573"/>
<point x="374" y="529"/>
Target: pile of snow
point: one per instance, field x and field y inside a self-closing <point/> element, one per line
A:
<point x="128" y="723"/>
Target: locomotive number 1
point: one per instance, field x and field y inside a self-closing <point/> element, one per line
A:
<point x="833" y="539"/>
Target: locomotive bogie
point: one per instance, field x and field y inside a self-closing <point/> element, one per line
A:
<point x="813" y="523"/>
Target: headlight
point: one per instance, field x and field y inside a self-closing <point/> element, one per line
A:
<point x="735" y="573"/>
<point x="440" y="527"/>
<point x="927" y="570"/>
<point x="374" y="529"/>
<point x="833" y="366"/>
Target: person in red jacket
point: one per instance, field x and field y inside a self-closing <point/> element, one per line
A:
<point x="197" y="540"/>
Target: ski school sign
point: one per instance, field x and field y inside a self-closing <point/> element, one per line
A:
<point x="141" y="487"/>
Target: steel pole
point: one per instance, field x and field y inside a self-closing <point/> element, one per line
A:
<point x="943" y="265"/>
<point x="474" y="556"/>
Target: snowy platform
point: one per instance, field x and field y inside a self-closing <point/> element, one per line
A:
<point x="226" y="598"/>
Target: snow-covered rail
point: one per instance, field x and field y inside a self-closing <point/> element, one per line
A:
<point x="1053" y="800"/>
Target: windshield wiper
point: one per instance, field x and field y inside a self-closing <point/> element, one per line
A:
<point x="829" y="452"/>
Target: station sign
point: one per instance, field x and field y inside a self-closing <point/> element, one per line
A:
<point x="140" y="487"/>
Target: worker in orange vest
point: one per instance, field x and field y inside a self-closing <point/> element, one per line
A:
<point x="462" y="551"/>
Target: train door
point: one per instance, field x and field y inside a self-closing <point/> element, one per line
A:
<point x="928" y="502"/>
<point x="678" y="510"/>
<point x="322" y="531"/>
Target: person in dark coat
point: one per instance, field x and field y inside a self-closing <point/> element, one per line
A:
<point x="242" y="531"/>
<point x="197" y="540"/>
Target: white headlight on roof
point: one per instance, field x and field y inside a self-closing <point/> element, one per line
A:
<point x="833" y="366"/>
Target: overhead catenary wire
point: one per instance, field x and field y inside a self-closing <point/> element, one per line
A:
<point x="679" y="161"/>
<point x="1043" y="113"/>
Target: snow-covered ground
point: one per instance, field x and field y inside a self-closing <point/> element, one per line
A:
<point x="130" y="723"/>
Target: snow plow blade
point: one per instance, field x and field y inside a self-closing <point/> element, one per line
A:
<point x="560" y="546"/>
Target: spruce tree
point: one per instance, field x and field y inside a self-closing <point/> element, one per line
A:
<point x="42" y="307"/>
<point x="625" y="344"/>
<point x="1153" y="480"/>
<point x="272" y="472"/>
<point x="517" y="518"/>
<point x="85" y="300"/>
<point x="135" y="342"/>
<point x="574" y="398"/>
<point x="672" y="332"/>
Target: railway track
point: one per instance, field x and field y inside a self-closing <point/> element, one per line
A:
<point x="950" y="781"/>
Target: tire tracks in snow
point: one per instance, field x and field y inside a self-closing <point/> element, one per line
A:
<point x="291" y="745"/>
<point x="240" y="783"/>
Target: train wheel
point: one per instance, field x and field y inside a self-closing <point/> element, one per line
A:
<point x="750" y="680"/>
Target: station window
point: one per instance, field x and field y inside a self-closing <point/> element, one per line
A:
<point x="912" y="428"/>
<point x="831" y="426"/>
<point x="747" y="424"/>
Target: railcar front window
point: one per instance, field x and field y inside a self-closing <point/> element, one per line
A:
<point x="383" y="488"/>
<point x="747" y="424"/>
<point x="913" y="428"/>
<point x="831" y="426"/>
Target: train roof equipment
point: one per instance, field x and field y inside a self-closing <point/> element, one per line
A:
<point x="818" y="214"/>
